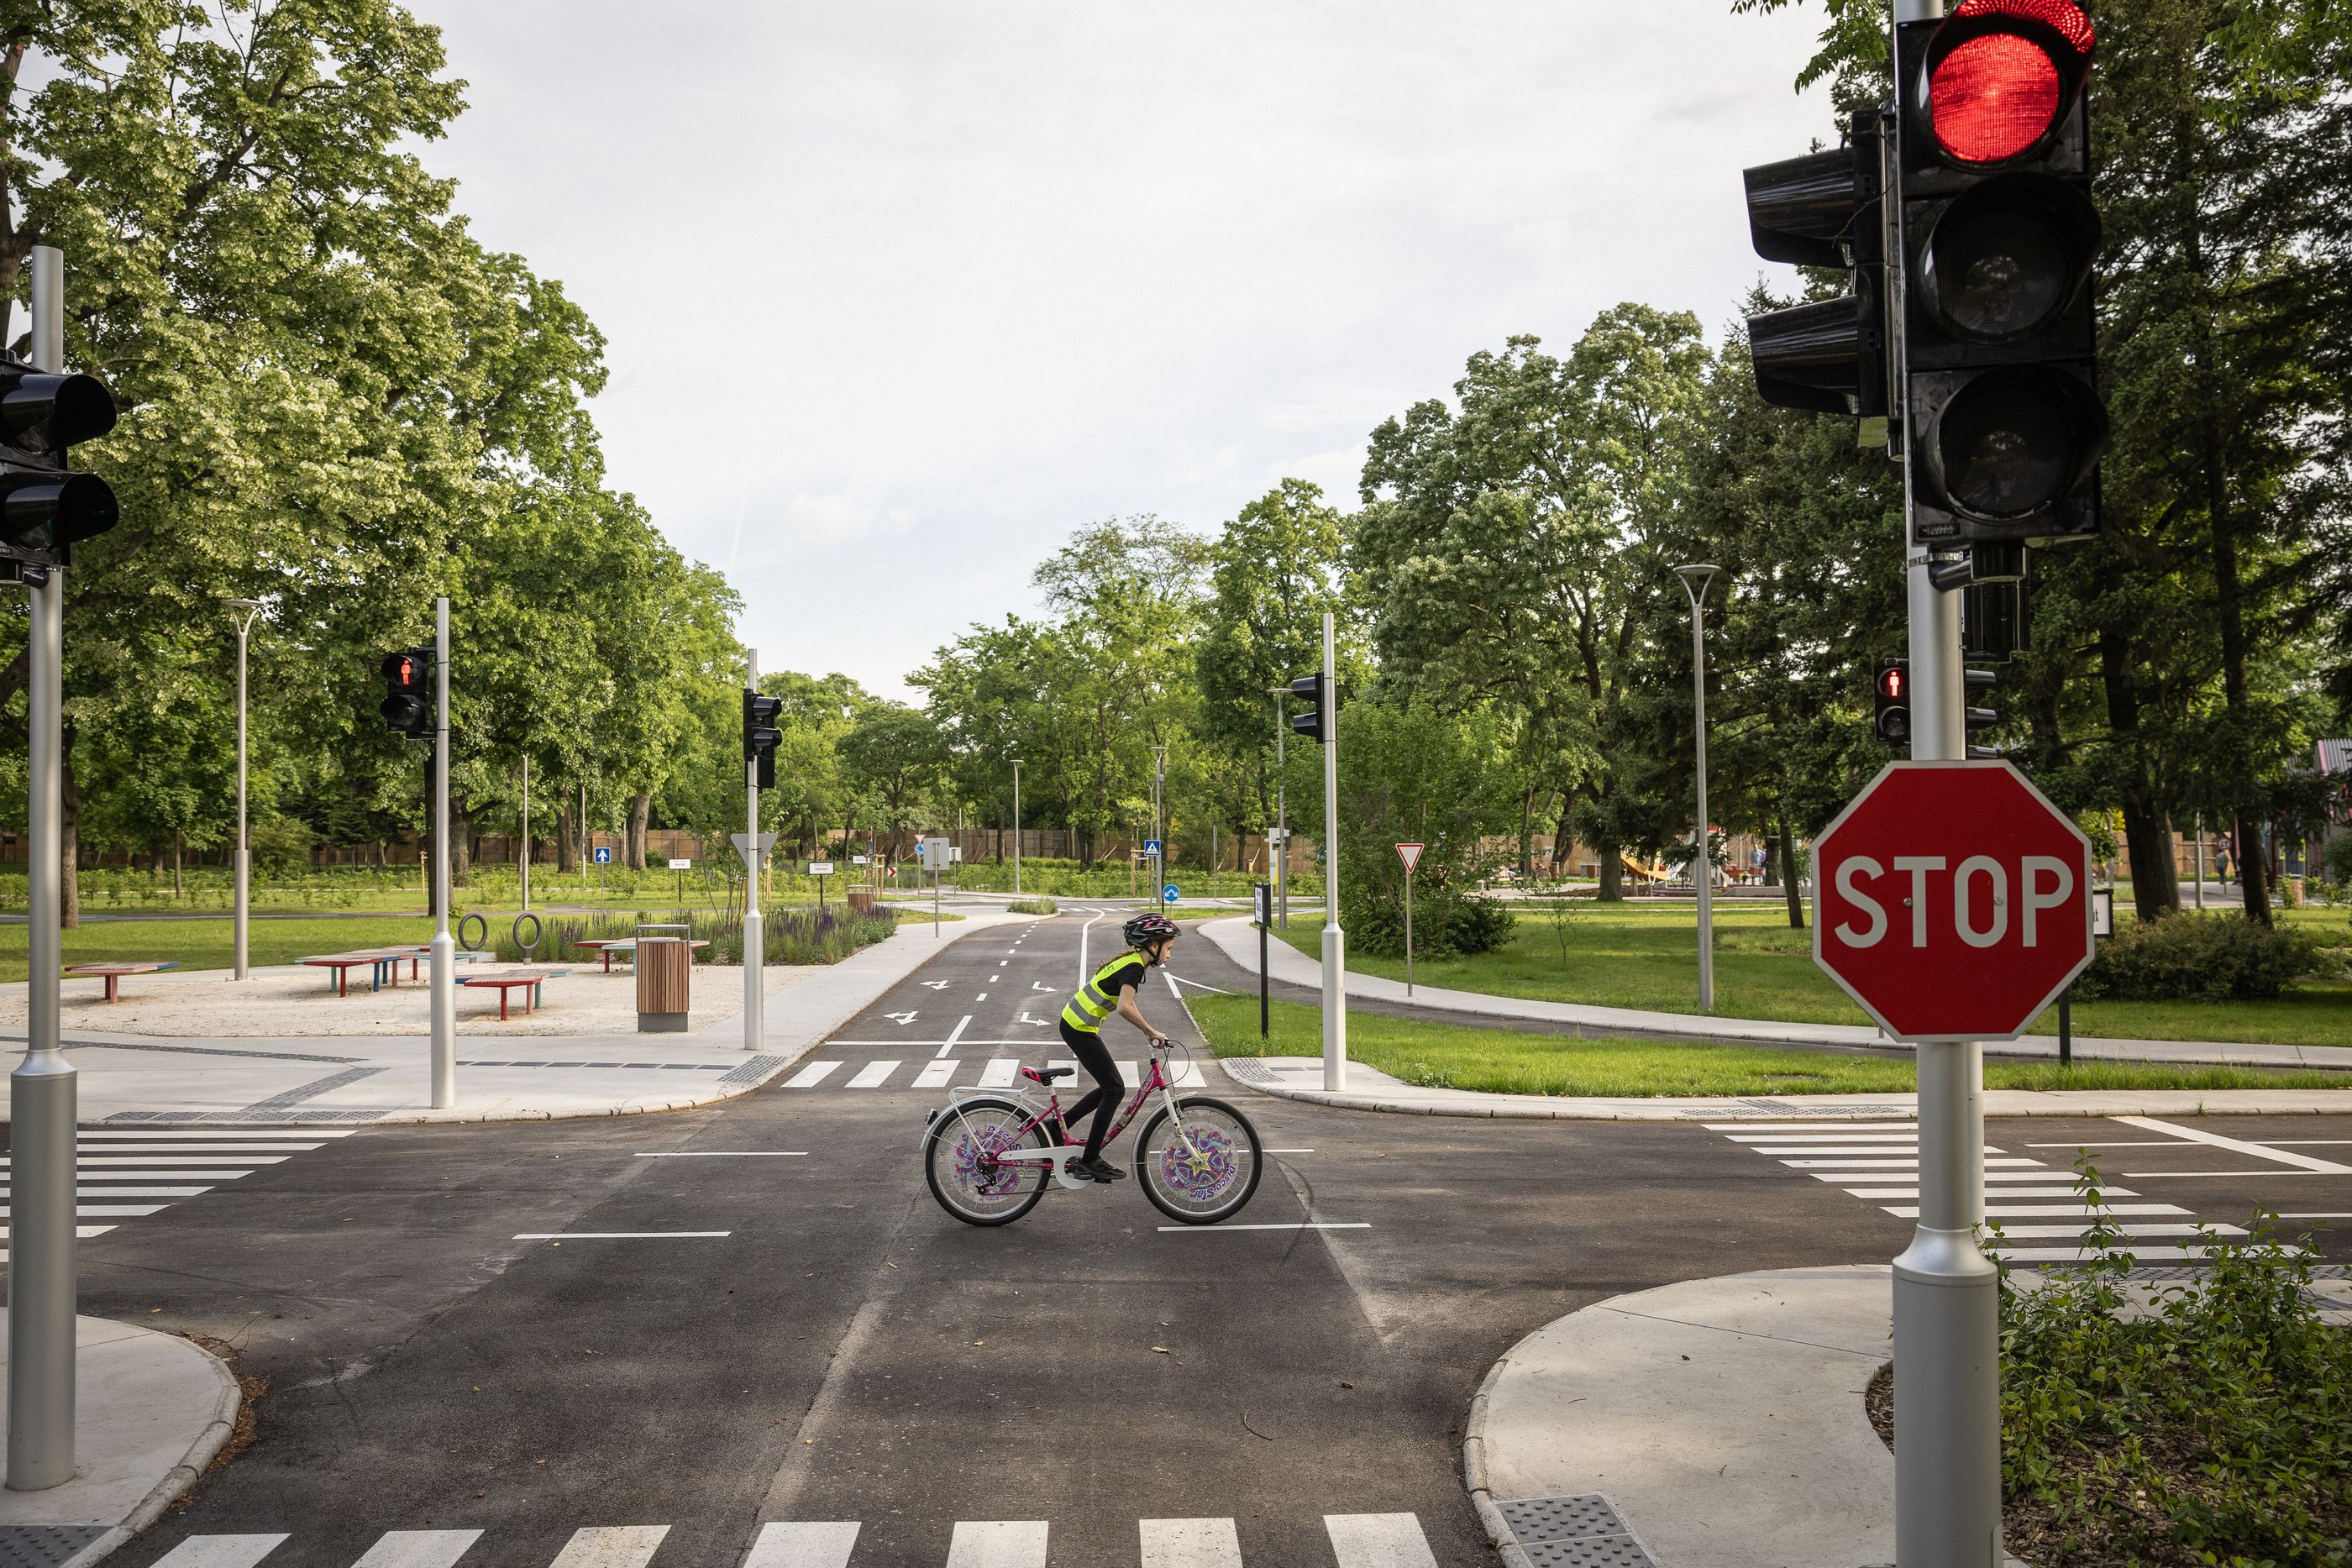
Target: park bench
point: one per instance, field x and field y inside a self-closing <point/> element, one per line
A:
<point x="112" y="973"/>
<point x="506" y="982"/>
<point x="383" y="966"/>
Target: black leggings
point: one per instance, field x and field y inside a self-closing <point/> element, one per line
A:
<point x="1109" y="1087"/>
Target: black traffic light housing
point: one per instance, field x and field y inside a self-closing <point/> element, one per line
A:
<point x="1891" y="692"/>
<point x="1825" y="210"/>
<point x="1973" y="719"/>
<point x="45" y="509"/>
<point x="407" y="706"/>
<point x="760" y="736"/>
<point x="2004" y="426"/>
<point x="1315" y="722"/>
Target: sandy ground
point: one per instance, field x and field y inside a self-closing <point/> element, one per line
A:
<point x="286" y="1000"/>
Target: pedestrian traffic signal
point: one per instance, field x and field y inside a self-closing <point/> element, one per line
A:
<point x="407" y="709"/>
<point x="1823" y="210"/>
<point x="761" y="738"/>
<point x="45" y="508"/>
<point x="1893" y="721"/>
<point x="1315" y="722"/>
<point x="2005" y="426"/>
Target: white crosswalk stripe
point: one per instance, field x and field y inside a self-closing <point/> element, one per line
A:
<point x="935" y="1074"/>
<point x="1357" y="1541"/>
<point x="993" y="1073"/>
<point x="113" y="1164"/>
<point x="1880" y="1161"/>
<point x="873" y="1075"/>
<point x="999" y="1072"/>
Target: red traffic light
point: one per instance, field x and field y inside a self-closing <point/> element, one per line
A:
<point x="1894" y="682"/>
<point x="2001" y="74"/>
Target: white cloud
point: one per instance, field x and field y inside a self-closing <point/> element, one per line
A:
<point x="913" y="289"/>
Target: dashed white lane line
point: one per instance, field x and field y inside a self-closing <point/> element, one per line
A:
<point x="1284" y="1225"/>
<point x="801" y="1543"/>
<point x="997" y="1543"/>
<point x="809" y="1077"/>
<point x="731" y="1155"/>
<point x="220" y="1551"/>
<point x="1189" y="1543"/>
<point x="2237" y="1145"/>
<point x="418" y="1548"/>
<point x="620" y="1236"/>
<point x="611" y="1546"/>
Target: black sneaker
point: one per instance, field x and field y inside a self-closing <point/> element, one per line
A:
<point x="1101" y="1170"/>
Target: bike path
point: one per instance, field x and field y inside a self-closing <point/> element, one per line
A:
<point x="846" y="1353"/>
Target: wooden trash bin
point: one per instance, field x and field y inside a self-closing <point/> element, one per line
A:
<point x="862" y="901"/>
<point x="665" y="984"/>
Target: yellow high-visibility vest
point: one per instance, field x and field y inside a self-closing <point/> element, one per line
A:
<point x="1090" y="1004"/>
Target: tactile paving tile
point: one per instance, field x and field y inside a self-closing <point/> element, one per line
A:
<point x="1560" y="1518"/>
<point x="1593" y="1551"/>
<point x="44" y="1545"/>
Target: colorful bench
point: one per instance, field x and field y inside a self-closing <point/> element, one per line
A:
<point x="383" y="966"/>
<point x="112" y="973"/>
<point x="530" y="979"/>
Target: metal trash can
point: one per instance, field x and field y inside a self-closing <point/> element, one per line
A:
<point x="665" y="984"/>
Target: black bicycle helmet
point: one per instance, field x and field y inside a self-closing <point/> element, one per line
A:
<point x="1145" y="929"/>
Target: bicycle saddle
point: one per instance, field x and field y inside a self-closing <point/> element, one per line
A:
<point x="1048" y="1075"/>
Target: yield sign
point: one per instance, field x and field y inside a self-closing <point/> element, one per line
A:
<point x="1952" y="900"/>
<point x="1411" y="855"/>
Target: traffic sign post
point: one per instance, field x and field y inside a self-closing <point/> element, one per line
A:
<point x="1411" y="855"/>
<point x="1953" y="901"/>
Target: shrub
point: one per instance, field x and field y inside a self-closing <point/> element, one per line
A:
<point x="2208" y="1421"/>
<point x="799" y="935"/>
<point x="2339" y="859"/>
<point x="1032" y="907"/>
<point x="2186" y="958"/>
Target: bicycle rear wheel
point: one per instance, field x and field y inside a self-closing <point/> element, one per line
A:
<point x="1200" y="1165"/>
<point x="959" y="1163"/>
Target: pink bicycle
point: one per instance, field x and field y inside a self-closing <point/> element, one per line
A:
<point x="988" y="1155"/>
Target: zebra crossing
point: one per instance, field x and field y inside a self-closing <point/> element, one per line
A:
<point x="994" y="1072"/>
<point x="2039" y="1211"/>
<point x="129" y="1172"/>
<point x="1357" y="1539"/>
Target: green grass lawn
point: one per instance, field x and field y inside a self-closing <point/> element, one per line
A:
<point x="210" y="944"/>
<point x="1453" y="1056"/>
<point x="1639" y="954"/>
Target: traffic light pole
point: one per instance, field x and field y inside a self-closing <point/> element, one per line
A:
<point x="42" y="1089"/>
<point x="444" y="946"/>
<point x="1946" y="1293"/>
<point x="1335" y="948"/>
<point x="755" y="927"/>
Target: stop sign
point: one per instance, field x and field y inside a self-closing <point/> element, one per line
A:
<point x="1952" y="901"/>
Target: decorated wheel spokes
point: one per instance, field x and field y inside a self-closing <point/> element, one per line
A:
<point x="977" y="1166"/>
<point x="1202" y="1171"/>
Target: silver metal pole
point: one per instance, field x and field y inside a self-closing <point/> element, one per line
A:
<point x="242" y="855"/>
<point x="1696" y="580"/>
<point x="526" y="831"/>
<point x="1160" y="856"/>
<point x="1335" y="954"/>
<point x="444" y="946"/>
<point x="1408" y="931"/>
<point x="2200" y="862"/>
<point x="1947" y="1293"/>
<point x="42" y="1089"/>
<point x="755" y="924"/>
<point x="1016" y="827"/>
<point x="1281" y="811"/>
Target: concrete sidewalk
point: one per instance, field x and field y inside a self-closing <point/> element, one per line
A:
<point x="1370" y="1089"/>
<point x="153" y="1410"/>
<point x="1238" y="939"/>
<point x="369" y="1079"/>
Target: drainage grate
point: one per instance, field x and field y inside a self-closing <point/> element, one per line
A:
<point x="44" y="1545"/>
<point x="753" y="1071"/>
<point x="1573" y="1533"/>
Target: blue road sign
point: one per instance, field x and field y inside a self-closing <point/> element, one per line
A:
<point x="1170" y="894"/>
<point x="1151" y="847"/>
<point x="603" y="854"/>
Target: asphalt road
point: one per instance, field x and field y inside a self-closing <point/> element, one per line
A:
<point x="846" y="1352"/>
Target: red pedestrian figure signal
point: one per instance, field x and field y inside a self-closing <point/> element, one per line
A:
<point x="1892" y="720"/>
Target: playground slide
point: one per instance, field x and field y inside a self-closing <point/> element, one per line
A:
<point x="1658" y="872"/>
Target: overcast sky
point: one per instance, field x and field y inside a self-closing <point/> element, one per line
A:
<point x="899" y="293"/>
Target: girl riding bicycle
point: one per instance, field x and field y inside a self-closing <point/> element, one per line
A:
<point x="1111" y="988"/>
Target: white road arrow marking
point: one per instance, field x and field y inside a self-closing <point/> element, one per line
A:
<point x="904" y="1019"/>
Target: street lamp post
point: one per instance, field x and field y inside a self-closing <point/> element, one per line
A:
<point x="1281" y="811"/>
<point x="1696" y="580"/>
<point x="242" y="612"/>
<point x="1160" y="859"/>
<point x="1016" y="827"/>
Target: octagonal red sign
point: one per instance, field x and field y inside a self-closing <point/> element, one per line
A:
<point x="1952" y="900"/>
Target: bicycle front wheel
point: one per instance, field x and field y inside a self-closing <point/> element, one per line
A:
<point x="1201" y="1165"/>
<point x="960" y="1162"/>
